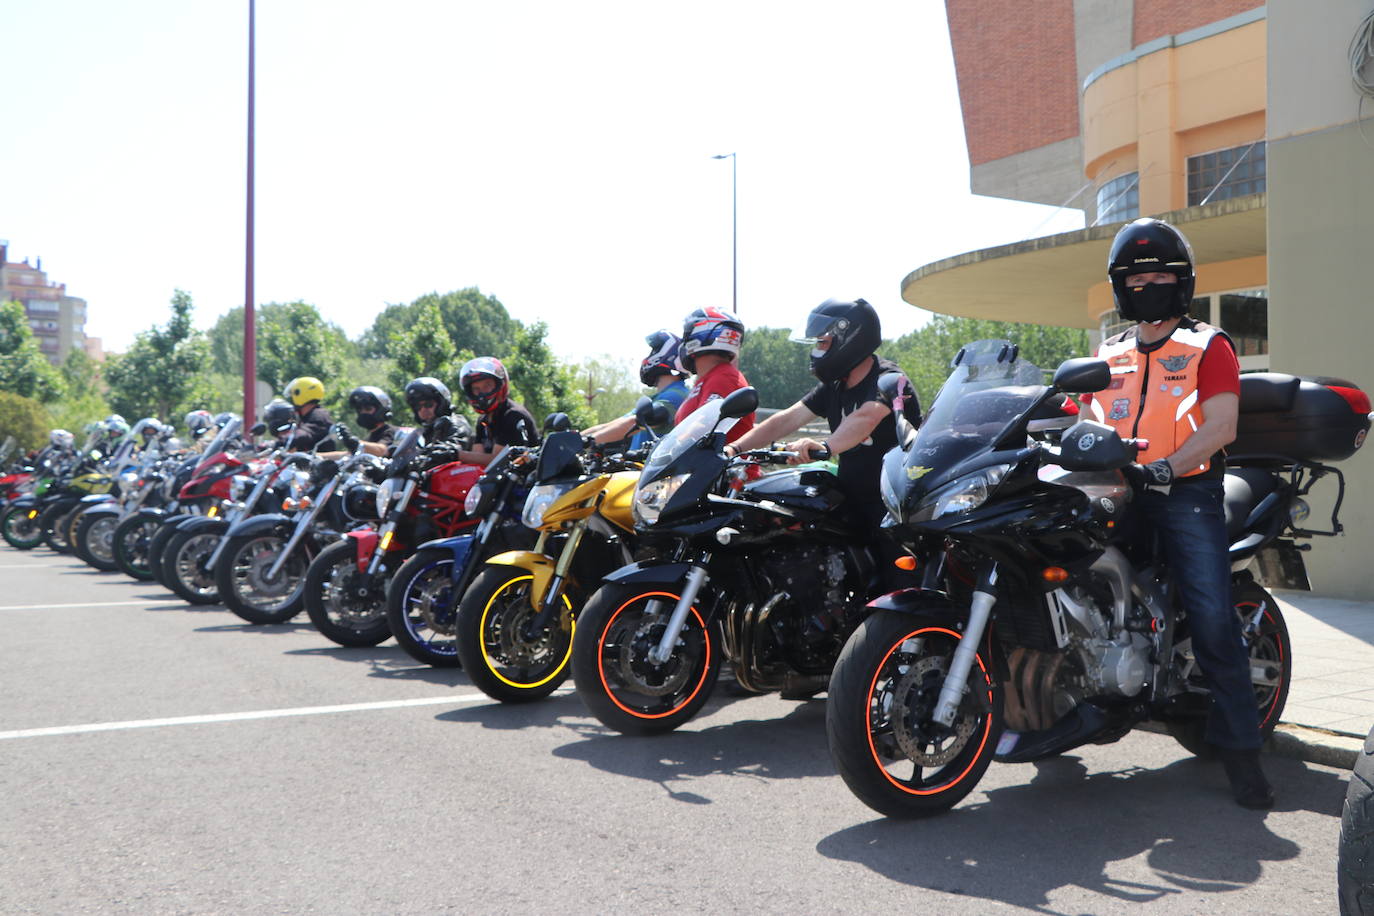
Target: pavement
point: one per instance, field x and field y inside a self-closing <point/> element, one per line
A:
<point x="1330" y="706"/>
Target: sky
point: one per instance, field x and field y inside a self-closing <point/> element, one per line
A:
<point x="556" y="155"/>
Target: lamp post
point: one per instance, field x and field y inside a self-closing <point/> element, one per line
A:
<point x="250" y="342"/>
<point x="734" y="233"/>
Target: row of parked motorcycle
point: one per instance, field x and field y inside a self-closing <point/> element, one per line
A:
<point x="1008" y="612"/>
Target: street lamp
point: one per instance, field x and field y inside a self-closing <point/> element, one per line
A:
<point x="734" y="233"/>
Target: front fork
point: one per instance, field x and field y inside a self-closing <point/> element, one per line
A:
<point x="956" y="681"/>
<point x="302" y="527"/>
<point x="548" y="604"/>
<point x="696" y="578"/>
<point x="388" y="530"/>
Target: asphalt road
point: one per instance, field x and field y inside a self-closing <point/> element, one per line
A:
<point x="265" y="770"/>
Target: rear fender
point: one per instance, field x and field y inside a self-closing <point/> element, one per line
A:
<point x="256" y="525"/>
<point x="536" y="564"/>
<point x="365" y="543"/>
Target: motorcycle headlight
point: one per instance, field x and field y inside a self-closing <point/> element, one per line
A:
<point x="473" y="500"/>
<point x="963" y="495"/>
<point x="385" y="492"/>
<point x="539" y="500"/>
<point x="239" y="486"/>
<point x="652" y="497"/>
<point x="892" y="500"/>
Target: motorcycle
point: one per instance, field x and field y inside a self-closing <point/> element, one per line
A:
<point x="345" y="586"/>
<point x="1043" y="621"/>
<point x="19" y="523"/>
<point x="763" y="572"/>
<point x="137" y="476"/>
<point x="132" y="536"/>
<point x="422" y="599"/>
<point x="516" y="620"/>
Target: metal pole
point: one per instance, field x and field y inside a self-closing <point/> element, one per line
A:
<point x="734" y="230"/>
<point x="250" y="339"/>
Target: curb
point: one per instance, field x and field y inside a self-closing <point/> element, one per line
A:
<point x="1315" y="745"/>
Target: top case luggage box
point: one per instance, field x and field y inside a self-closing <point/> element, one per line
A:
<point x="1289" y="418"/>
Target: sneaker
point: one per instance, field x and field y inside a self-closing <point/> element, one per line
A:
<point x="1248" y="785"/>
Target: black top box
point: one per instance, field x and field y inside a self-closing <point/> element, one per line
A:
<point x="1290" y="418"/>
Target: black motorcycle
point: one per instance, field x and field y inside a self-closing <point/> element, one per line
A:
<point x="1044" y="622"/>
<point x="763" y="572"/>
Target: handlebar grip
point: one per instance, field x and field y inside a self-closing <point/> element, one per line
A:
<point x="821" y="454"/>
<point x="1141" y="445"/>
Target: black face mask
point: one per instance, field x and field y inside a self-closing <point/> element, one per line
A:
<point x="368" y="420"/>
<point x="1153" y="302"/>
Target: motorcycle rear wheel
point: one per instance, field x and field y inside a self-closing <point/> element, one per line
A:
<point x="93" y="540"/>
<point x="244" y="588"/>
<point x="130" y="546"/>
<point x="611" y="668"/>
<point x="20" y="531"/>
<point x="1270" y="651"/>
<point x="503" y="661"/>
<point x="335" y="609"/>
<point x="421" y="608"/>
<point x="183" y="564"/>
<point x="883" y="692"/>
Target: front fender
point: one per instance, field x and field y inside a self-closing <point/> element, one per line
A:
<point x="98" y="498"/>
<point x="461" y="546"/>
<point x="918" y="601"/>
<point x="101" y="509"/>
<point x="365" y="543"/>
<point x="176" y="521"/>
<point x="29" y="500"/>
<point x="260" y="524"/>
<point x="536" y="564"/>
<point x="203" y="524"/>
<point x="649" y="572"/>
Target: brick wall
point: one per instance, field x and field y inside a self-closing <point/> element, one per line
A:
<point x="1017" y="74"/>
<point x="1157" y="18"/>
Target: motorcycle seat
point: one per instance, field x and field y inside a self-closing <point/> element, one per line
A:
<point x="1244" y="489"/>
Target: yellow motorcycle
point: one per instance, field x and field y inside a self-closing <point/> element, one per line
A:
<point x="515" y="623"/>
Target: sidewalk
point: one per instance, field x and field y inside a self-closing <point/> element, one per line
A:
<point x="1330" y="704"/>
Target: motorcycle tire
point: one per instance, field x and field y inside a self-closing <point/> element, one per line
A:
<point x="336" y="610"/>
<point x="93" y="540"/>
<point x="1355" y="860"/>
<point x="54" y="522"/>
<point x="157" y="546"/>
<point x="20" y="531"/>
<point x="421" y="608"/>
<point x="610" y="665"/>
<point x="883" y="690"/>
<point x="1271" y="652"/>
<point x="130" y="546"/>
<point x="240" y="576"/>
<point x="183" y="564"/>
<point x="504" y="661"/>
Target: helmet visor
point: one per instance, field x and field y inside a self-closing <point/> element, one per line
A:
<point x="817" y="326"/>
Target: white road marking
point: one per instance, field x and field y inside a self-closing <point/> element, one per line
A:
<point x="44" y="607"/>
<point x="239" y="716"/>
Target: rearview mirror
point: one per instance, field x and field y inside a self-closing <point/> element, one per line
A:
<point x="1082" y="375"/>
<point x="557" y="423"/>
<point x="650" y="413"/>
<point x="896" y="389"/>
<point x="258" y="429"/>
<point x="740" y="402"/>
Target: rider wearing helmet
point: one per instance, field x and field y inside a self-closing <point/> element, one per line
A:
<point x="844" y="336"/>
<point x="429" y="399"/>
<point x="661" y="370"/>
<point x="711" y="340"/>
<point x="1176" y="382"/>
<point x="197" y="422"/>
<point x="312" y="421"/>
<point x="486" y="386"/>
<point x="280" y="419"/>
<point x="372" y="408"/>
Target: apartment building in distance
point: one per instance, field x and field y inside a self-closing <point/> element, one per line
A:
<point x="57" y="319"/>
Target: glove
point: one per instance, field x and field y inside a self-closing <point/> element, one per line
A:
<point x="418" y="463"/>
<point x="345" y="436"/>
<point x="1160" y="473"/>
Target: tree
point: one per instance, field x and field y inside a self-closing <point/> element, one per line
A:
<point x="540" y="382"/>
<point x="24" y="419"/>
<point x="85" y="400"/>
<point x="423" y="347"/>
<point x="24" y="370"/>
<point x="619" y="381"/>
<point x="165" y="370"/>
<point x="292" y="340"/>
<point x="778" y="368"/>
<point x="477" y="323"/>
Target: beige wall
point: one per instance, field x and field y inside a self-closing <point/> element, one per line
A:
<point x="1321" y="222"/>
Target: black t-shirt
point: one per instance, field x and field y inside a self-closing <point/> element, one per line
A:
<point x="384" y="433"/>
<point x="861" y="466"/>
<point x="311" y="430"/>
<point x="509" y="424"/>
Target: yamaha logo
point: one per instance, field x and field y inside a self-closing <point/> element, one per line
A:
<point x="1086" y="441"/>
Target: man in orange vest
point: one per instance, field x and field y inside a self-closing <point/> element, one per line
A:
<point x="1176" y="382"/>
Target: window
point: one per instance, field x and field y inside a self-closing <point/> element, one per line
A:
<point x="1119" y="199"/>
<point x="1244" y="315"/>
<point x="1225" y="173"/>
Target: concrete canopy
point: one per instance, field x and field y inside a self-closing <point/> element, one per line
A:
<point x="1046" y="280"/>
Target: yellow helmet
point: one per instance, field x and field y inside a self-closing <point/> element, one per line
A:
<point x="303" y="390"/>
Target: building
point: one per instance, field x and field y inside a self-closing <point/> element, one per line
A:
<point x="58" y="320"/>
<point x="1237" y="122"/>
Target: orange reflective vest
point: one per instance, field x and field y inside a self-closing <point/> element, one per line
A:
<point x="1154" y="395"/>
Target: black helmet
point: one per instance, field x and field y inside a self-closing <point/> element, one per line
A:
<point x="663" y="357"/>
<point x="278" y="416"/>
<point x="197" y="422"/>
<point x="855" y="334"/>
<point x="224" y="419"/>
<point x="1151" y="246"/>
<point x="370" y="401"/>
<point x="426" y="388"/>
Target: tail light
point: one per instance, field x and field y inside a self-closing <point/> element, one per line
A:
<point x="1357" y="399"/>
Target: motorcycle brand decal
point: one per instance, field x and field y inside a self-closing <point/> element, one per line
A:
<point x="1178" y="391"/>
<point x="1121" y="361"/>
<point x="917" y="473"/>
<point x="1117" y="383"/>
<point x="1107" y="506"/>
<point x="1359" y="438"/>
<point x="1086" y="441"/>
<point x="1121" y="409"/>
<point x="1176" y="363"/>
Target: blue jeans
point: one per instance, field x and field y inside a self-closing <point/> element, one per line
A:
<point x="1192" y="527"/>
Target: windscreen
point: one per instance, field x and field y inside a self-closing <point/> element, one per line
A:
<point x="683" y="436"/>
<point x="226" y="433"/>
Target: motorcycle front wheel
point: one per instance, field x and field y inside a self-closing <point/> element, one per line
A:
<point x="55" y="522"/>
<point x="883" y="739"/>
<point x="615" y="677"/>
<point x="340" y="605"/>
<point x="130" y="546"/>
<point x="20" y="531"/>
<point x="505" y="660"/>
<point x="184" y="570"/>
<point x="247" y="589"/>
<point x="1271" y="669"/>
<point x="93" y="539"/>
<point x="421" y="607"/>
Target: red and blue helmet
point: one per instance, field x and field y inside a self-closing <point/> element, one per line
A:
<point x="710" y="330"/>
<point x="664" y="356"/>
<point x="479" y="368"/>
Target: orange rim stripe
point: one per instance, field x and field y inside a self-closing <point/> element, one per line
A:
<point x="601" y="671"/>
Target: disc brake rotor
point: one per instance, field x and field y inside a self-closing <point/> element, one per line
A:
<point x="914" y="696"/>
<point x="507" y="627"/>
<point x="435" y="605"/>
<point x="343" y="599"/>
<point x="632" y="662"/>
<point x="191" y="562"/>
<point x="255" y="572"/>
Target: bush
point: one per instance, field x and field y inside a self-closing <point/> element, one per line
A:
<point x="24" y="419"/>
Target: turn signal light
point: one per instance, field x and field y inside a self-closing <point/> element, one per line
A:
<point x="907" y="563"/>
<point x="386" y="542"/>
<point x="1054" y="574"/>
<point x="289" y="504"/>
<point x="212" y="511"/>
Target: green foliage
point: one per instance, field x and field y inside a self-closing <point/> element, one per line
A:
<point x="478" y="324"/>
<point x="925" y="353"/>
<point x="540" y="382"/>
<point x="620" y="380"/>
<point x="424" y="347"/>
<point x="778" y="368"/>
<point x="24" y="419"/>
<point x="24" y="370"/>
<point x="165" y="372"/>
